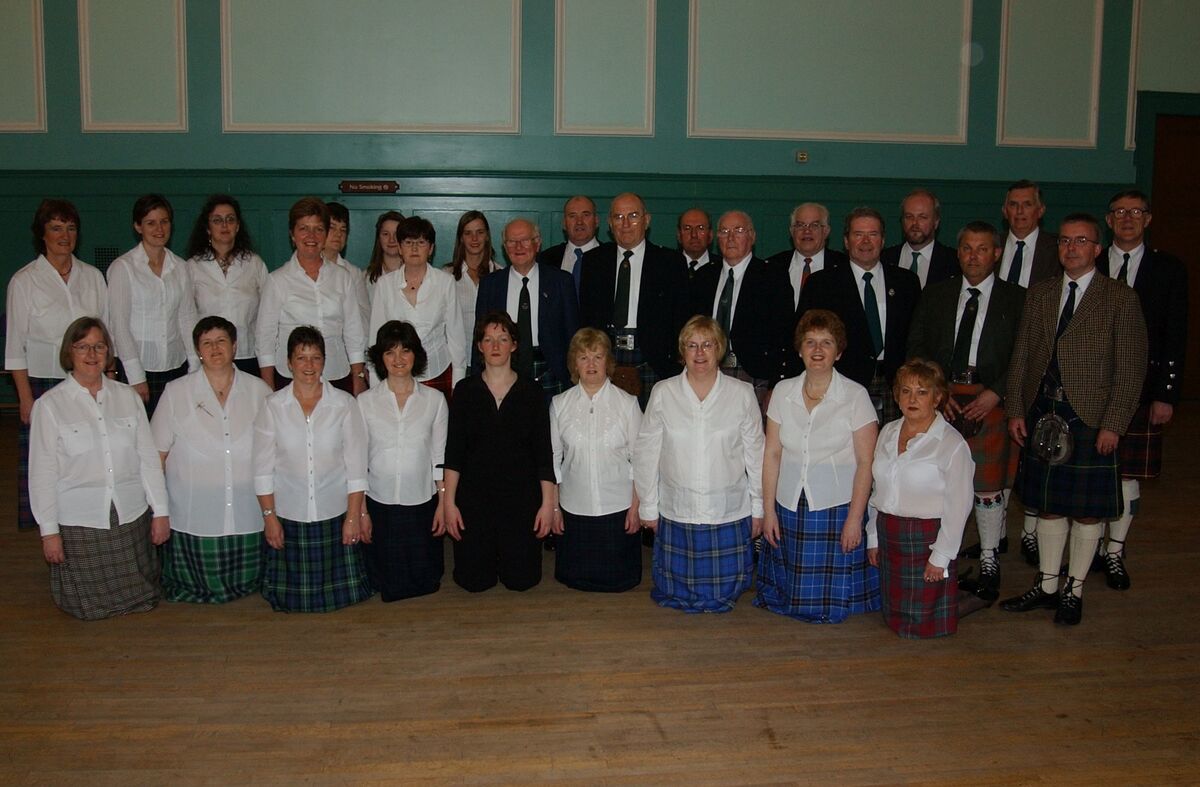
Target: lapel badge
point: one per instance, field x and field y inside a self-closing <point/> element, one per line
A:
<point x="891" y="293"/>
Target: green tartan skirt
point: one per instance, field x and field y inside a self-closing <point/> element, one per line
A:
<point x="211" y="570"/>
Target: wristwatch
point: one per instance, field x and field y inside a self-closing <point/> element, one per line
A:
<point x="267" y="512"/>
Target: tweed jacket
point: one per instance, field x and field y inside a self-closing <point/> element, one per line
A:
<point x="1101" y="354"/>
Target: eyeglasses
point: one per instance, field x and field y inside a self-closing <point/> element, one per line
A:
<point x="707" y="346"/>
<point x="739" y="232"/>
<point x="414" y="243"/>
<point x="1121" y="213"/>
<point x="1076" y="241"/>
<point x="100" y="348"/>
<point x="807" y="225"/>
<point x="698" y="229"/>
<point x="633" y="217"/>
<point x="226" y="220"/>
<point x="514" y="243"/>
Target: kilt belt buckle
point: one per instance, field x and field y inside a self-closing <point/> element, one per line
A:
<point x="1054" y="392"/>
<point x="624" y="339"/>
<point x="1051" y="440"/>
<point x="966" y="377"/>
<point x="730" y="361"/>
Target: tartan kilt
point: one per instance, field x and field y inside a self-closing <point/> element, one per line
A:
<point x="1141" y="447"/>
<point x="314" y="571"/>
<point x="1088" y="485"/>
<point x="248" y="365"/>
<point x="545" y="377"/>
<point x="404" y="558"/>
<point x="808" y="576"/>
<point x="157" y="383"/>
<point x="106" y="572"/>
<point x="880" y="390"/>
<point x="25" y="520"/>
<point x="595" y="553"/>
<point x="912" y="607"/>
<point x="443" y="383"/>
<point x="994" y="453"/>
<point x="701" y="568"/>
<point x="211" y="570"/>
<point x="645" y="372"/>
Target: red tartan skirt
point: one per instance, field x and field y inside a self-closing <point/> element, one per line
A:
<point x="912" y="607"/>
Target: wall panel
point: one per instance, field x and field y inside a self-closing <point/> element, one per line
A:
<point x="23" y="88"/>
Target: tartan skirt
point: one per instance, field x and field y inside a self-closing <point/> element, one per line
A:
<point x="157" y="383"/>
<point x="1087" y="485"/>
<point x="595" y="553"/>
<point x="25" y="520"/>
<point x="314" y="571"/>
<point x="912" y="607"/>
<point x="106" y="572"/>
<point x="701" y="568"/>
<point x="443" y="383"/>
<point x="808" y="576"/>
<point x="1141" y="447"/>
<point x="544" y="376"/>
<point x="211" y="570"/>
<point x="880" y="390"/>
<point x="404" y="558"/>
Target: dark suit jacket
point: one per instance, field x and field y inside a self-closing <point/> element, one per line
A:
<point x="1162" y="288"/>
<point x="558" y="313"/>
<point x="553" y="255"/>
<point x="943" y="262"/>
<point x="832" y="257"/>
<point x="662" y="302"/>
<point x="836" y="289"/>
<point x="934" y="329"/>
<point x="1101" y="354"/>
<point x="1045" y="258"/>
<point x="697" y="282"/>
<point x="761" y="334"/>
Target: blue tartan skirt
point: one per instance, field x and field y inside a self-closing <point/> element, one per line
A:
<point x="314" y="571"/>
<point x="808" y="576"/>
<point x="595" y="553"/>
<point x="404" y="558"/>
<point x="701" y="568"/>
<point x="1086" y="485"/>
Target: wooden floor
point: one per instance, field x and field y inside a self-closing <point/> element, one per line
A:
<point x="559" y="686"/>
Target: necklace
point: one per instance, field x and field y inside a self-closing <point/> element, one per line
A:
<point x="812" y="395"/>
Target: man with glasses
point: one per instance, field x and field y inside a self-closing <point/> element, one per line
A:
<point x="1073" y="386"/>
<point x="810" y="230"/>
<point x="1160" y="281"/>
<point x="580" y="223"/>
<point x="922" y="253"/>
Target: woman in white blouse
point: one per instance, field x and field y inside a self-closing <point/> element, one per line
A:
<point x="227" y="276"/>
<point x="96" y="484"/>
<point x="472" y="259"/>
<point x="204" y="429"/>
<point x="406" y="424"/>
<point x="307" y="290"/>
<point x="821" y="431"/>
<point x="151" y="305"/>
<point x="424" y="297"/>
<point x="310" y="464"/>
<point x="593" y="428"/>
<point x="43" y="298"/>
<point x="924" y="491"/>
<point x="698" y="471"/>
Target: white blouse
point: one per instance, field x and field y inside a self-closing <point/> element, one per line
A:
<point x="310" y="463"/>
<point x="87" y="454"/>
<point x="593" y="439"/>
<point x="468" y="292"/>
<point x="41" y="306"/>
<point x="700" y="462"/>
<point x="406" y="447"/>
<point x="436" y="318"/>
<point x="291" y="298"/>
<point x="818" y="446"/>
<point x="151" y="316"/>
<point x="359" y="277"/>
<point x="934" y="478"/>
<point x="234" y="295"/>
<point x="210" y="449"/>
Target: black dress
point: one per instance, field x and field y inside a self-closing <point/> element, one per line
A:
<point x="501" y="454"/>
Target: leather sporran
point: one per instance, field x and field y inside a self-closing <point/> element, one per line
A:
<point x="628" y="380"/>
<point x="963" y="394"/>
<point x="1051" y="440"/>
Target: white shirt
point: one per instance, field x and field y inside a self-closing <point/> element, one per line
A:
<point x="736" y="269"/>
<point x="1116" y="258"/>
<point x="924" y="260"/>
<point x="635" y="280"/>
<point x="1010" y="250"/>
<point x="436" y="318"/>
<point x="698" y="263"/>
<point x="818" y="446"/>
<point x="1081" y="287"/>
<point x="700" y="462"/>
<point x="985" y="297"/>
<point x="796" y="271"/>
<point x="41" y="306"/>
<point x="329" y="304"/>
<point x="86" y="455"/>
<point x="151" y="317"/>
<point x="233" y="295"/>
<point x="512" y="303"/>
<point x="567" y="263"/>
<point x="468" y="291"/>
<point x="359" y="278"/>
<point x="310" y="463"/>
<point x="879" y="287"/>
<point x="406" y="447"/>
<point x="593" y="439"/>
<point x="210" y="452"/>
<point x="933" y="479"/>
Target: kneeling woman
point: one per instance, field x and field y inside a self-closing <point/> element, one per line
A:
<point x="310" y="459"/>
<point x="698" y="471"/>
<point x="94" y="478"/>
<point x="924" y="490"/>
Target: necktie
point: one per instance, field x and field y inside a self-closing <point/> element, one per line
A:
<point x="916" y="259"/>
<point x="621" y="302"/>
<point x="962" y="340"/>
<point x="872" y="309"/>
<point x="577" y="271"/>
<point x="725" y="304"/>
<point x="1014" y="272"/>
<point x="692" y="268"/>
<point x="1123" y="276"/>
<point x="524" y="332"/>
<point x="804" y="274"/>
<point x="1068" y="310"/>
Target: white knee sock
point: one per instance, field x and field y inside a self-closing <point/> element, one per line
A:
<point x="1084" y="538"/>
<point x="1052" y="542"/>
<point x="1030" y="523"/>
<point x="1118" y="528"/>
<point x="989" y="518"/>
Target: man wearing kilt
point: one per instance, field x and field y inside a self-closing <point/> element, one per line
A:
<point x="1076" y="375"/>
<point x="1160" y="281"/>
<point x="968" y="325"/>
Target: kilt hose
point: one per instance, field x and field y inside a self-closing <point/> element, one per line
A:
<point x="1086" y="485"/>
<point x="107" y="572"/>
<point x="1141" y="446"/>
<point x="912" y="607"/>
<point x="211" y="570"/>
<point x="594" y="553"/>
<point x="25" y="520"/>
<point x="701" y="567"/>
<point x="314" y="571"/>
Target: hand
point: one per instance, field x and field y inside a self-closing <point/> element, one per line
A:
<point x="452" y="519"/>
<point x="160" y="530"/>
<point x="273" y="532"/>
<point x="770" y="526"/>
<point x="952" y="408"/>
<point x="1106" y="442"/>
<point x="544" y="521"/>
<point x="267" y="373"/>
<point x="1016" y="430"/>
<point x="873" y="556"/>
<point x="981" y="405"/>
<point x="351" y="532"/>
<point x="439" y="522"/>
<point x="650" y="524"/>
<point x="933" y="573"/>
<point x="851" y="535"/>
<point x="1160" y="413"/>
<point x="632" y="523"/>
<point x="357" y="384"/>
<point x="366" y="528"/>
<point x="142" y="390"/>
<point x="26" y="405"/>
<point x="557" y="527"/>
<point x="52" y="549"/>
<point x="756" y="527"/>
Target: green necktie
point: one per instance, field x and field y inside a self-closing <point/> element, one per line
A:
<point x="872" y="310"/>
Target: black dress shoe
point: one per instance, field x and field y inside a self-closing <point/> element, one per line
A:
<point x="1070" y="609"/>
<point x="1115" y="575"/>
<point x="1031" y="599"/>
<point x="1029" y="549"/>
<point x="989" y="575"/>
<point x="1098" y="559"/>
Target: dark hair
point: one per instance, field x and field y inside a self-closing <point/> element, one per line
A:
<point x="1085" y="218"/>
<point x="213" y="322"/>
<point x="198" y="242"/>
<point x="862" y="213"/>
<point x="1024" y="183"/>
<point x="75" y="332"/>
<point x="416" y="227"/>
<point x="821" y="320"/>
<point x="305" y="207"/>
<point x="375" y="266"/>
<point x="338" y="212"/>
<point x="393" y="334"/>
<point x="981" y="227"/>
<point x="305" y="336"/>
<point x="149" y="202"/>
<point x="1131" y="193"/>
<point x="459" y="258"/>
<point x="494" y="317"/>
<point x="48" y="211"/>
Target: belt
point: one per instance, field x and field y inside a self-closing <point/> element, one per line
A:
<point x="1055" y="392"/>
